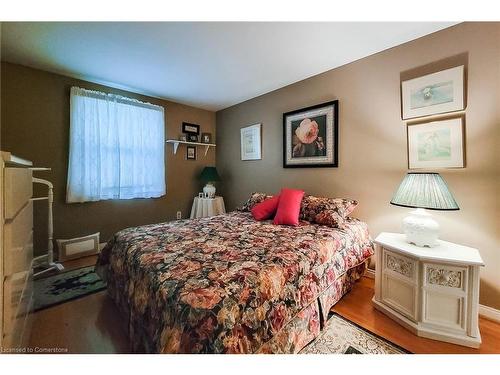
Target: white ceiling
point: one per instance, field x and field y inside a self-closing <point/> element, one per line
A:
<point x="210" y="65"/>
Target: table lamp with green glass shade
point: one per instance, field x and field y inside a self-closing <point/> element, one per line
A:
<point x="209" y="175"/>
<point x="423" y="191"/>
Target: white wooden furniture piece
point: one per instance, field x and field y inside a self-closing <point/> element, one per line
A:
<point x="205" y="207"/>
<point x="16" y="251"/>
<point x="433" y="292"/>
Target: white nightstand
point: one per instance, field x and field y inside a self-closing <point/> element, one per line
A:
<point x="205" y="207"/>
<point x="433" y="292"/>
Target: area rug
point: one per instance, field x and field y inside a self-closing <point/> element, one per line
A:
<point x="66" y="286"/>
<point x="341" y="336"/>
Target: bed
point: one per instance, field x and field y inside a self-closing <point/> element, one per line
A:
<point x="230" y="284"/>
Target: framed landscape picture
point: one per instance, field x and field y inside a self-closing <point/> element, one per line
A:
<point x="434" y="93"/>
<point x="437" y="144"/>
<point x="250" y="138"/>
<point x="310" y="136"/>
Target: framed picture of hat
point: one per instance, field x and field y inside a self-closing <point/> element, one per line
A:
<point x="310" y="136"/>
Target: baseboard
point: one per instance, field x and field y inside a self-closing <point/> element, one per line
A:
<point x="489" y="313"/>
<point x="370" y="273"/>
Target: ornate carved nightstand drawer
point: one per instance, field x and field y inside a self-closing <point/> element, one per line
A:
<point x="400" y="264"/>
<point x="445" y="276"/>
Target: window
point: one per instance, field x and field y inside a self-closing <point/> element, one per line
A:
<point x="117" y="148"/>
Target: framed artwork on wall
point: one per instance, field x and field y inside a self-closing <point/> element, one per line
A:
<point x="436" y="144"/>
<point x="250" y="140"/>
<point x="190" y="128"/>
<point x="206" y="138"/>
<point x="433" y="94"/>
<point x="191" y="152"/>
<point x="310" y="136"/>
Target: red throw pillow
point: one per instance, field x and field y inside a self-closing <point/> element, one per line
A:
<point x="289" y="207"/>
<point x="265" y="210"/>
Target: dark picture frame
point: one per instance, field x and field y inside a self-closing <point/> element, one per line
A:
<point x="311" y="136"/>
<point x="206" y="137"/>
<point x="190" y="152"/>
<point x="191" y="137"/>
<point x="190" y="128"/>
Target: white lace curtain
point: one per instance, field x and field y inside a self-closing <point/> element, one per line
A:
<point x="117" y="148"/>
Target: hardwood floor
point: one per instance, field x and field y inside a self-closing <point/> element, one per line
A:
<point x="87" y="325"/>
<point x="92" y="324"/>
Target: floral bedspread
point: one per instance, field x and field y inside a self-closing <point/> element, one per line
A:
<point x="224" y="284"/>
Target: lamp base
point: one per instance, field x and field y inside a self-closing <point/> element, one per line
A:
<point x="209" y="190"/>
<point x="421" y="229"/>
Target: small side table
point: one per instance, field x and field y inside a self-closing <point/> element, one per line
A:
<point x="205" y="207"/>
<point x="433" y="292"/>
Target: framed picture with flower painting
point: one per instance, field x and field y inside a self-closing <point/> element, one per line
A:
<point x="310" y="136"/>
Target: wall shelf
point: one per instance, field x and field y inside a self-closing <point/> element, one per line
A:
<point x="176" y="143"/>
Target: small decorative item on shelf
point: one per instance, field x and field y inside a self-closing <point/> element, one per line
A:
<point x="209" y="175"/>
<point x="191" y="153"/>
<point x="183" y="138"/>
<point x="423" y="191"/>
<point x="200" y="195"/>
<point x="190" y="128"/>
<point x="192" y="138"/>
<point x="206" y="138"/>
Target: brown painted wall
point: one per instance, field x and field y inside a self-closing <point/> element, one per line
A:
<point x="372" y="144"/>
<point x="35" y="126"/>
